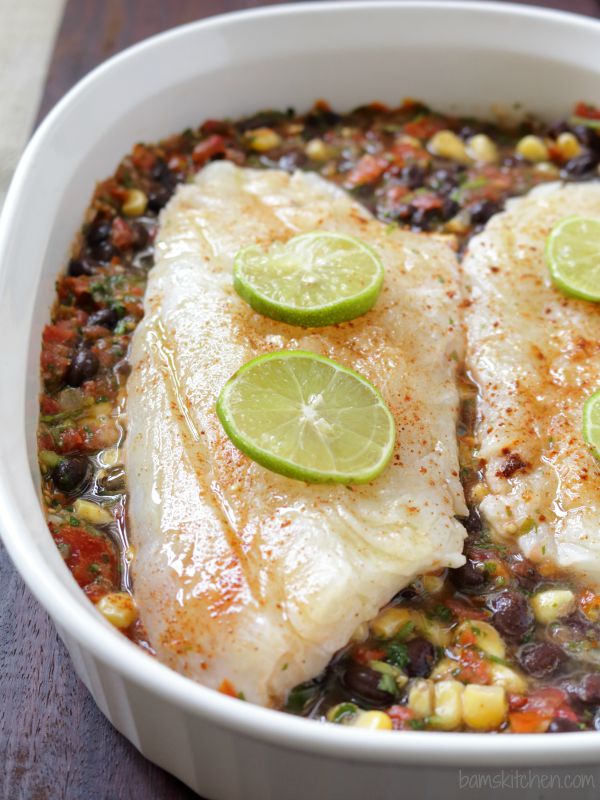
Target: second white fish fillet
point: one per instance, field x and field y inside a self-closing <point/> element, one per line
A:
<point x="535" y="355"/>
<point x="246" y="580"/>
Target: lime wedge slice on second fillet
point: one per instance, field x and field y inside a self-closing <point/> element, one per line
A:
<point x="308" y="417"/>
<point x="591" y="423"/>
<point x="573" y="257"/>
<point x="315" y="279"/>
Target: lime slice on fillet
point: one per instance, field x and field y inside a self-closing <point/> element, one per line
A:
<point x="573" y="257"/>
<point x="591" y="423"/>
<point x="312" y="280"/>
<point x="308" y="417"/>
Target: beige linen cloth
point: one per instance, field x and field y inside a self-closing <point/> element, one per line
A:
<point x="27" y="32"/>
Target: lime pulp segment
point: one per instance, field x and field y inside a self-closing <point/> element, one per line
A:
<point x="307" y="417"/>
<point x="573" y="257"/>
<point x="591" y="423"/>
<point x="316" y="279"/>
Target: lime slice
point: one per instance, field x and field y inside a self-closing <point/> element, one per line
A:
<point x="312" y="280"/>
<point x="573" y="257"/>
<point x="308" y="417"/>
<point x="591" y="423"/>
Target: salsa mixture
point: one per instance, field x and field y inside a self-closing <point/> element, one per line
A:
<point x="499" y="644"/>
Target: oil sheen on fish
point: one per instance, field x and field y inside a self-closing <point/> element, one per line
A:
<point x="535" y="355"/>
<point x="246" y="580"/>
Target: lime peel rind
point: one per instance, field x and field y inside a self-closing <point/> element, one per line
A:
<point x="591" y="423"/>
<point x="341" y="308"/>
<point x="291" y="469"/>
<point x="573" y="257"/>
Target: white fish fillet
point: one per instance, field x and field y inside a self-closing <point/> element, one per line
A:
<point x="242" y="575"/>
<point x="535" y="355"/>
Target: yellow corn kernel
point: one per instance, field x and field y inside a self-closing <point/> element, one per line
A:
<point x="458" y="224"/>
<point x="444" y="669"/>
<point x="373" y="721"/>
<point x="481" y="148"/>
<point x="479" y="491"/>
<point x="263" y="139"/>
<point x="389" y="621"/>
<point x="552" y="604"/>
<point x="92" y="512"/>
<point x="118" y="608"/>
<point x="484" y="707"/>
<point x="411" y="140"/>
<point x="361" y="633"/>
<point x="110" y="456"/>
<point x="319" y="150"/>
<point x="100" y="410"/>
<point x="508" y="678"/>
<point x="532" y="148"/>
<point x="487" y="638"/>
<point x="547" y="168"/>
<point x="135" y="203"/>
<point x="432" y="630"/>
<point x="568" y="146"/>
<point x="433" y="583"/>
<point x="447" y="706"/>
<point x="420" y="698"/>
<point x="448" y="145"/>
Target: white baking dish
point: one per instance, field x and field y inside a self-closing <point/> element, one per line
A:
<point x="461" y="56"/>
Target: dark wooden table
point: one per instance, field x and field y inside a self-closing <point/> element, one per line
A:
<point x="54" y="743"/>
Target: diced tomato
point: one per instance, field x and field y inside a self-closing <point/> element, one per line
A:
<point x="472" y="667"/>
<point x="401" y="717"/>
<point x="586" y="110"/>
<point x="367" y="170"/>
<point x="590" y="604"/>
<point x="143" y="158"/>
<point x="395" y="193"/>
<point x="122" y="235"/>
<point x="516" y="701"/>
<point x="364" y="654"/>
<point x="89" y="556"/>
<point x="208" y="148"/>
<point x="464" y="611"/>
<point x="71" y="440"/>
<point x="63" y="332"/>
<point x="226" y="687"/>
<point x="424" y="127"/>
<point x="427" y="202"/>
<point x="528" y="722"/>
<point x="49" y="405"/>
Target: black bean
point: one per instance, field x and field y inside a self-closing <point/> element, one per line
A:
<point x="445" y="180"/>
<point x="83" y="367"/>
<point x="107" y="317"/>
<point x="587" y="137"/>
<point x="556" y="128"/>
<point x="589" y="689"/>
<point x="449" y="209"/>
<point x="407" y="595"/>
<point x="541" y="659"/>
<point x="160" y="172"/>
<point x="581" y="165"/>
<point x="80" y="266"/>
<point x="413" y="176"/>
<point x="562" y="725"/>
<point x="512" y="615"/>
<point x="140" y="234"/>
<point x="70" y="473"/>
<point x="473" y="522"/>
<point x="524" y="571"/>
<point x="421" y="657"/>
<point x="99" y="232"/>
<point x="158" y="198"/>
<point x="103" y="251"/>
<point x="470" y="578"/>
<point x="113" y="480"/>
<point x="421" y="218"/>
<point x="363" y="683"/>
<point x="482" y="211"/>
